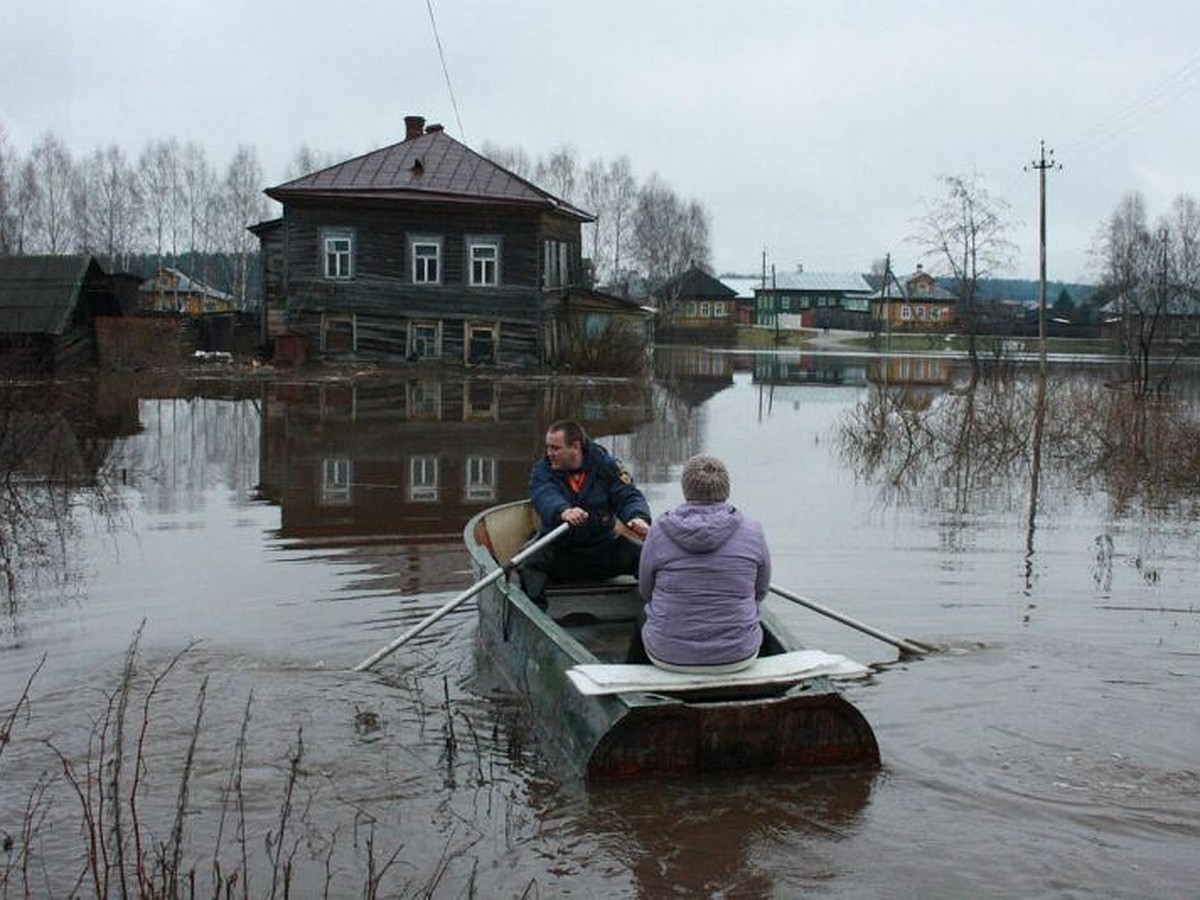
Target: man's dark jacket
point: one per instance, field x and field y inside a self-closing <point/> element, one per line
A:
<point x="608" y="491"/>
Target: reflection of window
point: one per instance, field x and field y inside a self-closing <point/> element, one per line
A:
<point x="425" y="340"/>
<point x="595" y="325"/>
<point x="483" y="255"/>
<point x="480" y="479"/>
<point x="423" y="479"/>
<point x="481" y="344"/>
<point x="425" y="400"/>
<point x="482" y="402"/>
<point x="336" y="479"/>
<point x="426" y="260"/>
<point x="339" y="248"/>
<point x="338" y="333"/>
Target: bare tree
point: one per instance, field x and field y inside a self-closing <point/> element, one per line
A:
<point x="965" y="233"/>
<point x="558" y="174"/>
<point x="54" y="175"/>
<point x="243" y="206"/>
<point x="200" y="206"/>
<point x="608" y="192"/>
<point x="670" y="235"/>
<point x="1150" y="273"/>
<point x="515" y="159"/>
<point x="307" y="160"/>
<point x="24" y="205"/>
<point x="7" y="195"/>
<point x="158" y="179"/>
<point x="109" y="207"/>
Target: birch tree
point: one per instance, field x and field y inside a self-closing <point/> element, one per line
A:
<point x="52" y="221"/>
<point x="7" y="195"/>
<point x="243" y="205"/>
<point x="670" y="235"/>
<point x="158" y="180"/>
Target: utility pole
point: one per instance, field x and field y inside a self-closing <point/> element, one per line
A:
<point x="1041" y="165"/>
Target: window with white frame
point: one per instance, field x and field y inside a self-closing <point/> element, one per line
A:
<point x="483" y="255"/>
<point x="423" y="479"/>
<point x="555" y="267"/>
<point x="339" y="254"/>
<point x="704" y="309"/>
<point x="720" y="311"/>
<point x="480" y="479"/>
<point x="336" y="479"/>
<point x="426" y="260"/>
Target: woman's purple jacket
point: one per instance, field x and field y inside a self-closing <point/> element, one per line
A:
<point x="704" y="572"/>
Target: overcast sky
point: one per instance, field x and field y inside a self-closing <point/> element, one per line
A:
<point x="813" y="131"/>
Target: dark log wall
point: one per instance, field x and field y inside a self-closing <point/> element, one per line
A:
<point x="273" y="300"/>
<point x="382" y="297"/>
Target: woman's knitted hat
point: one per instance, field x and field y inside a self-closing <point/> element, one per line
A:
<point x="705" y="480"/>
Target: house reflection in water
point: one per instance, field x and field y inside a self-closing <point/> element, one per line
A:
<point x="912" y="370"/>
<point x="401" y="465"/>
<point x="851" y="371"/>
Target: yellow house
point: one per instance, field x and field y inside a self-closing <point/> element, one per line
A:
<point x="170" y="290"/>
<point x="918" y="303"/>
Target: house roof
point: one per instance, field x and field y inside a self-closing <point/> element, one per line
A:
<point x="430" y="167"/>
<point x="743" y="285"/>
<point x="695" y="282"/>
<point x="38" y="294"/>
<point x="824" y="282"/>
<point x="1178" y="304"/>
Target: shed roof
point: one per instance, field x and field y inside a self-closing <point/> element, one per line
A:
<point x="38" y="294"/>
<point x="431" y="167"/>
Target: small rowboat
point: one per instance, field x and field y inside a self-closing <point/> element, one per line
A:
<point x="644" y="721"/>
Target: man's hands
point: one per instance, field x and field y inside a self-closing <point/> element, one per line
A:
<point x="574" y="516"/>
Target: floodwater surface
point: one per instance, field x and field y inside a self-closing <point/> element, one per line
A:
<point x="193" y="569"/>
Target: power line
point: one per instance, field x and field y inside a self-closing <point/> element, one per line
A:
<point x="445" y="71"/>
<point x="1141" y="108"/>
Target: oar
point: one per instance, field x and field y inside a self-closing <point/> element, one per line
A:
<point x="461" y="598"/>
<point x="905" y="645"/>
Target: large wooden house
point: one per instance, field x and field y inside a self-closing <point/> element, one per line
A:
<point x="426" y="250"/>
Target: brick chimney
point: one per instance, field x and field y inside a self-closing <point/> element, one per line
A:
<point x="434" y="128"/>
<point x="414" y="127"/>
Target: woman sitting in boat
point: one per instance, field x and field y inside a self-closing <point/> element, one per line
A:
<point x="581" y="483"/>
<point x="705" y="570"/>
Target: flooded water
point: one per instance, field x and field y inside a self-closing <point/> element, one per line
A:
<point x="193" y="568"/>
